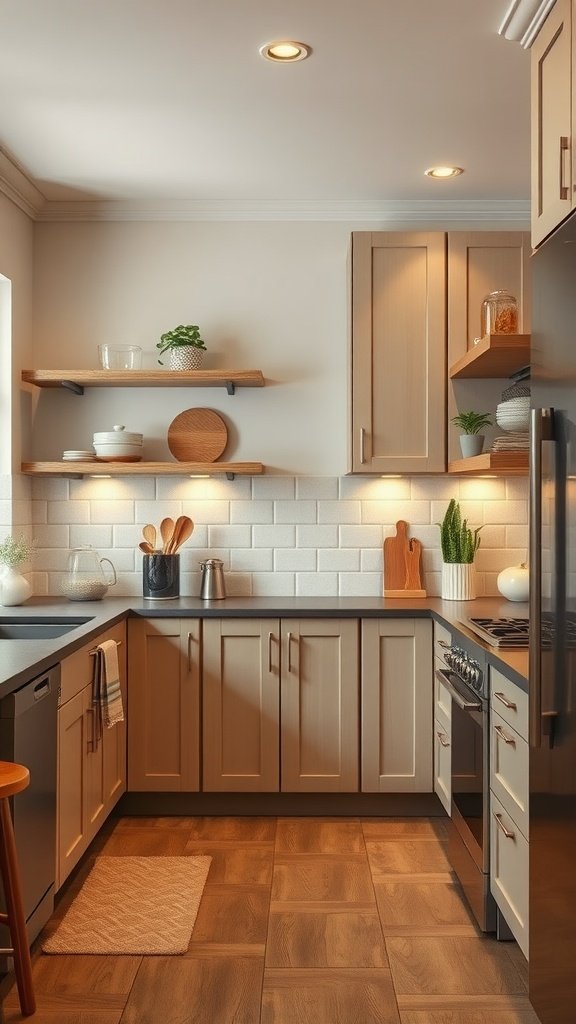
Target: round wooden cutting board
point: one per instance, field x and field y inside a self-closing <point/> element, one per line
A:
<point x="197" y="435"/>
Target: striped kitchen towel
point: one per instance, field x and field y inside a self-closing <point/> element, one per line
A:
<point x="106" y="693"/>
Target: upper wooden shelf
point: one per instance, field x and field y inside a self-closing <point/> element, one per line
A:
<point x="511" y="463"/>
<point x="77" y="380"/>
<point x="496" y="355"/>
<point x="230" y="469"/>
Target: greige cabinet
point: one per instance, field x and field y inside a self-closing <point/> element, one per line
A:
<point x="397" y="697"/>
<point x="553" y="116"/>
<point x="306" y="667"/>
<point x="91" y="768"/>
<point x="398" y="352"/>
<point x="164" y="699"/>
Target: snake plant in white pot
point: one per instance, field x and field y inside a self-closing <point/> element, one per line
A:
<point x="459" y="546"/>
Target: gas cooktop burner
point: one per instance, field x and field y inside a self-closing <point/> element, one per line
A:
<point x="500" y="632"/>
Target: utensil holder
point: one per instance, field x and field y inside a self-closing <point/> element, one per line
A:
<point x="161" y="577"/>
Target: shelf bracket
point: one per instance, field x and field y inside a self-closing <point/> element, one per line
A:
<point x="72" y="386"/>
<point x="230" y="387"/>
<point x="230" y="476"/>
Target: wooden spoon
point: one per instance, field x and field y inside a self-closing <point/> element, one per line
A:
<point x="146" y="547"/>
<point x="182" y="530"/>
<point x="166" y="532"/>
<point x="149" y="534"/>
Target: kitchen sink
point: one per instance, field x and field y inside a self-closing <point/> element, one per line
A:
<point x="37" y="628"/>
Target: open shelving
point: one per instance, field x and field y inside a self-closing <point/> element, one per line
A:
<point x="77" y="380"/>
<point x="511" y="463"/>
<point x="75" y="469"/>
<point x="496" y="355"/>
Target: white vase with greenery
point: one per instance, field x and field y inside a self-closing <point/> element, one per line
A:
<point x="459" y="545"/>
<point x="14" y="587"/>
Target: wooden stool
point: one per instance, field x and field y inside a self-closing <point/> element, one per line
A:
<point x="13" y="779"/>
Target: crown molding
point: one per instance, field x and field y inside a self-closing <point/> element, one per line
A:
<point x="390" y="211"/>
<point x="18" y="187"/>
<point x="524" y="19"/>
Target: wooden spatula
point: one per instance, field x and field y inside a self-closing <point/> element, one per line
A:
<point x="166" y="532"/>
<point x="182" y="530"/>
<point x="149" y="534"/>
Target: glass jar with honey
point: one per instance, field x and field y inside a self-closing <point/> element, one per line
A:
<point x="499" y="314"/>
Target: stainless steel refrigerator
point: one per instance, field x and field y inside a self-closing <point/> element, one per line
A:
<point x="553" y="630"/>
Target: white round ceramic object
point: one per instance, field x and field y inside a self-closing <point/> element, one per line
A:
<point x="118" y="435"/>
<point x="514" y="582"/>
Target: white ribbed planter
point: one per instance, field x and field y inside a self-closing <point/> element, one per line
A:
<point x="186" y="357"/>
<point x="458" y="581"/>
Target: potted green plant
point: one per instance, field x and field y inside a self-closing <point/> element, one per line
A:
<point x="471" y="423"/>
<point x="14" y="587"/>
<point x="459" y="545"/>
<point x="185" y="346"/>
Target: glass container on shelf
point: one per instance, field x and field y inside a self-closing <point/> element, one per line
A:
<point x="499" y="314"/>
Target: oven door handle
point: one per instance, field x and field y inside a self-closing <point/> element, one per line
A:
<point x="457" y="697"/>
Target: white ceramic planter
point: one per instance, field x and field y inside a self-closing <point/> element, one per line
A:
<point x="471" y="444"/>
<point x="14" y="587"/>
<point x="186" y="357"/>
<point x="458" y="581"/>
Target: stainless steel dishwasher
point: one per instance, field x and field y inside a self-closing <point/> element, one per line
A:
<point x="28" y="735"/>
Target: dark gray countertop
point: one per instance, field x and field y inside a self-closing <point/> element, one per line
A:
<point x="22" y="660"/>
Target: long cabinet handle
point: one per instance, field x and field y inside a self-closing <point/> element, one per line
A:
<point x="289" y="638"/>
<point x="564" y="148"/>
<point x="443" y="739"/>
<point x="270" y="652"/>
<point x="362" y="445"/>
<point x="542" y="429"/>
<point x="91" y="741"/>
<point x="502" y="826"/>
<point x="504" y="735"/>
<point x="507" y="703"/>
<point x="190" y="638"/>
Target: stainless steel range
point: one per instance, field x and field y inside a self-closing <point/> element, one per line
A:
<point x="502" y="632"/>
<point x="466" y="679"/>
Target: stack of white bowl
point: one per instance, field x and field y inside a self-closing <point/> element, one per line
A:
<point x="514" y="415"/>
<point x="118" y="445"/>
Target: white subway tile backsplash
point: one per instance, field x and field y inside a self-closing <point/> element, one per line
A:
<point x="294" y="511"/>
<point x="316" y="487"/>
<point x="251" y="512"/>
<point x="275" y="487"/>
<point x="295" y="560"/>
<point x="317" y="584"/>
<point x="517" y="488"/>
<point x="276" y="535"/>
<point x="338" y="560"/>
<point x="338" y="512"/>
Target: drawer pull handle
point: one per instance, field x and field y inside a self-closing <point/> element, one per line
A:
<point x="502" y="826"/>
<point x="443" y="739"/>
<point x="191" y="637"/>
<point x="504" y="735"/>
<point x="289" y="652"/>
<point x="93" y="653"/>
<point x="507" y="703"/>
<point x="362" y="442"/>
<point x="270" y="652"/>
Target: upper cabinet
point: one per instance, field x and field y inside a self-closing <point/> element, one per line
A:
<point x="398" y="352"/>
<point x="553" y="115"/>
<point x="416" y="301"/>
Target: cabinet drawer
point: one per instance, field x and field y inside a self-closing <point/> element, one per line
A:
<point x="509" y="769"/>
<point x="509" y="871"/>
<point x="440" y="634"/>
<point x="77" y="669"/>
<point x="442" y="701"/>
<point x="510" y="702"/>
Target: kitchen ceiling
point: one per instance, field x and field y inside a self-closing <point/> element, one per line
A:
<point x="170" y="99"/>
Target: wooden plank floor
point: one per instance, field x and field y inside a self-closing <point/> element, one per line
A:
<point x="302" y="921"/>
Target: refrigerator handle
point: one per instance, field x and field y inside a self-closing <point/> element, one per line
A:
<point x="542" y="429"/>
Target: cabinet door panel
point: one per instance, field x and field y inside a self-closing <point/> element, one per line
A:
<point x="509" y="866"/>
<point x="397" y="698"/>
<point x="114" y="766"/>
<point x="240" y="688"/>
<point x="319" y="705"/>
<point x="72" y="837"/>
<point x="442" y="764"/>
<point x="398" y="349"/>
<point x="163" y="724"/>
<point x="551" y="122"/>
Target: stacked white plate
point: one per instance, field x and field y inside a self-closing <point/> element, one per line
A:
<point x="73" y="455"/>
<point x="514" y="415"/>
<point x="118" y="445"/>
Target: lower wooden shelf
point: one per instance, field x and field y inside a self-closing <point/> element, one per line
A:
<point x="502" y="463"/>
<point x="229" y="469"/>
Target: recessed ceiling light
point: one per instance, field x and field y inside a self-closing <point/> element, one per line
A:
<point x="444" y="172"/>
<point x="285" y="51"/>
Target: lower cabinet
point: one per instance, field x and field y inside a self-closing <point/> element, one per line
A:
<point x="280" y="705"/>
<point x="509" y="759"/>
<point x="164" y="699"/>
<point x="91" y="768"/>
<point x="397" y="702"/>
<point x="442" y="724"/>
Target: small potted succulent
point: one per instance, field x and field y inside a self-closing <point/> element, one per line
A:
<point x="185" y="346"/>
<point x="14" y="587"/>
<point x="459" y="546"/>
<point x="471" y="423"/>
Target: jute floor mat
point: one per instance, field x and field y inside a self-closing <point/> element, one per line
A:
<point x="137" y="905"/>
